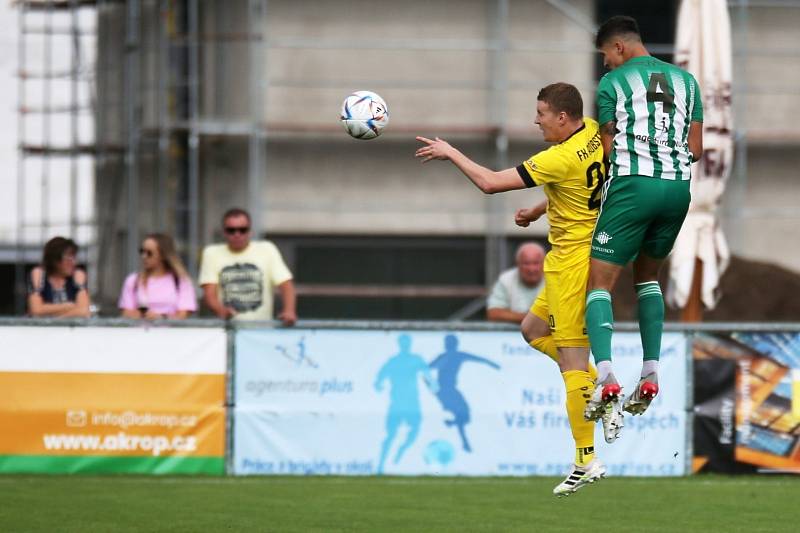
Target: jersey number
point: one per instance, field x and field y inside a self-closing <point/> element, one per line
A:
<point x="595" y="173"/>
<point x="665" y="96"/>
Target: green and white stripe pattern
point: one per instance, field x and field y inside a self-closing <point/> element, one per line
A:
<point x="597" y="294"/>
<point x="648" y="289"/>
<point x="652" y="129"/>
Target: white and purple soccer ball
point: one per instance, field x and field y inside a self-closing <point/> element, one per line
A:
<point x="364" y="115"/>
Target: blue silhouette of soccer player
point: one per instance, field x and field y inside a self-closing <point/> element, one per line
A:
<point x="402" y="371"/>
<point x="447" y="365"/>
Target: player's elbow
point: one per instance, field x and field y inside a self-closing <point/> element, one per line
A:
<point x="697" y="154"/>
<point x="489" y="188"/>
<point x="489" y="184"/>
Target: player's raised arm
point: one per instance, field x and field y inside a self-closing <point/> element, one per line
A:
<point x="488" y="181"/>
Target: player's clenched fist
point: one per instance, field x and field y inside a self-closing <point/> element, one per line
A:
<point x="521" y="217"/>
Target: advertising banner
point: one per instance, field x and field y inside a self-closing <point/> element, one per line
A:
<point x="430" y="402"/>
<point x="102" y="400"/>
<point x="750" y="421"/>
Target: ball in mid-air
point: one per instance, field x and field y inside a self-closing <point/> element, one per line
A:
<point x="364" y="115"/>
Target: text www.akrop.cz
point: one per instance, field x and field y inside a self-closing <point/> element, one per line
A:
<point x="155" y="444"/>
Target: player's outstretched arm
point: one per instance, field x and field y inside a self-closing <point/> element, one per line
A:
<point x="524" y="217"/>
<point x="488" y="181"/>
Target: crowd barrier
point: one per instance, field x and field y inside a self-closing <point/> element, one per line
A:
<point x="368" y="398"/>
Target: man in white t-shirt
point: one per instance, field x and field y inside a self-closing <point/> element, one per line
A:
<point x="239" y="277"/>
<point x="517" y="288"/>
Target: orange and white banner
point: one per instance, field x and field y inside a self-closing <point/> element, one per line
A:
<point x="112" y="399"/>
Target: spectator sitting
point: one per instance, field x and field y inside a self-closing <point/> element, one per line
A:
<point x="58" y="288"/>
<point x="163" y="288"/>
<point x="517" y="288"/>
<point x="238" y="278"/>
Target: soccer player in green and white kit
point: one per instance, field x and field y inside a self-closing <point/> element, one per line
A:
<point x="651" y="127"/>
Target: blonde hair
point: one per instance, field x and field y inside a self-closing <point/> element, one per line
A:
<point x="169" y="258"/>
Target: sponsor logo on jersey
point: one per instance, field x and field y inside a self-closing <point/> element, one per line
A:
<point x="603" y="237"/>
<point x="669" y="143"/>
<point x="603" y="250"/>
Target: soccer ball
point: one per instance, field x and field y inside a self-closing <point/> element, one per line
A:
<point x="364" y="115"/>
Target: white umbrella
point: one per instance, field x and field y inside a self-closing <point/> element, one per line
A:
<point x="703" y="47"/>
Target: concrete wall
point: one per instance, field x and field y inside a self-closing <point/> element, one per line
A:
<point x="771" y="73"/>
<point x="325" y="182"/>
<point x="766" y="226"/>
<point x="760" y="208"/>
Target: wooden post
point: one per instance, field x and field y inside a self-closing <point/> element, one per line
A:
<point x="693" y="311"/>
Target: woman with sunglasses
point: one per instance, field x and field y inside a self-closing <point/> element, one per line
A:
<point x="162" y="288"/>
<point x="57" y="288"/>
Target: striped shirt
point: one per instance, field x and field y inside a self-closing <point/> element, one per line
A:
<point x="653" y="103"/>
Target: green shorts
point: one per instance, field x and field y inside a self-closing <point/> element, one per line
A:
<point x="639" y="214"/>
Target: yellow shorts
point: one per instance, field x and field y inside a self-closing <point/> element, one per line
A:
<point x="562" y="302"/>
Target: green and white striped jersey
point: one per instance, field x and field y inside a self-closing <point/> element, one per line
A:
<point x="653" y="103"/>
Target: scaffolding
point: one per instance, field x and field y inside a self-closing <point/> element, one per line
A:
<point x="56" y="44"/>
<point x="163" y="126"/>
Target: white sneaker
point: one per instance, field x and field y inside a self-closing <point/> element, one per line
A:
<point x="613" y="421"/>
<point x="605" y="394"/>
<point x="646" y="390"/>
<point x="580" y="476"/>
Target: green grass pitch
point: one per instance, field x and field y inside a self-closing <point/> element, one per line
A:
<point x="286" y="504"/>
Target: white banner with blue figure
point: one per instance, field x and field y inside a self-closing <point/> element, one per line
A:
<point x="351" y="402"/>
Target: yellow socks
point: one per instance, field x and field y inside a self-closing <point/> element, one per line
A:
<point x="579" y="386"/>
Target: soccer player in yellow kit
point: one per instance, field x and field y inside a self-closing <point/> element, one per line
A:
<point x="572" y="174"/>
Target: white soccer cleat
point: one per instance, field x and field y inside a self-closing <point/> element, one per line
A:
<point x="605" y="394"/>
<point x="580" y="477"/>
<point x="646" y="390"/>
<point x="613" y="420"/>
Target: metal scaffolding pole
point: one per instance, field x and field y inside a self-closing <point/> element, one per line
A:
<point x="47" y="60"/>
<point x="19" y="267"/>
<point x="739" y="91"/>
<point x="104" y="196"/>
<point x="133" y="12"/>
<point x="496" y="255"/>
<point x="75" y="140"/>
<point x="194" y="139"/>
<point x="257" y="138"/>
<point x="162" y="73"/>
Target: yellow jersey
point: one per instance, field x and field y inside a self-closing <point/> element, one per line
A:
<point x="572" y="174"/>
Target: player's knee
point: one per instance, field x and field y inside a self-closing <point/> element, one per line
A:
<point x="532" y="335"/>
<point x="533" y="328"/>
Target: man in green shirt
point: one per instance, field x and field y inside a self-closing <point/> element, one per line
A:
<point x="651" y="126"/>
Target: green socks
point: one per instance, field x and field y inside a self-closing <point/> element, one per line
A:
<point x="599" y="323"/>
<point x="651" y="318"/>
